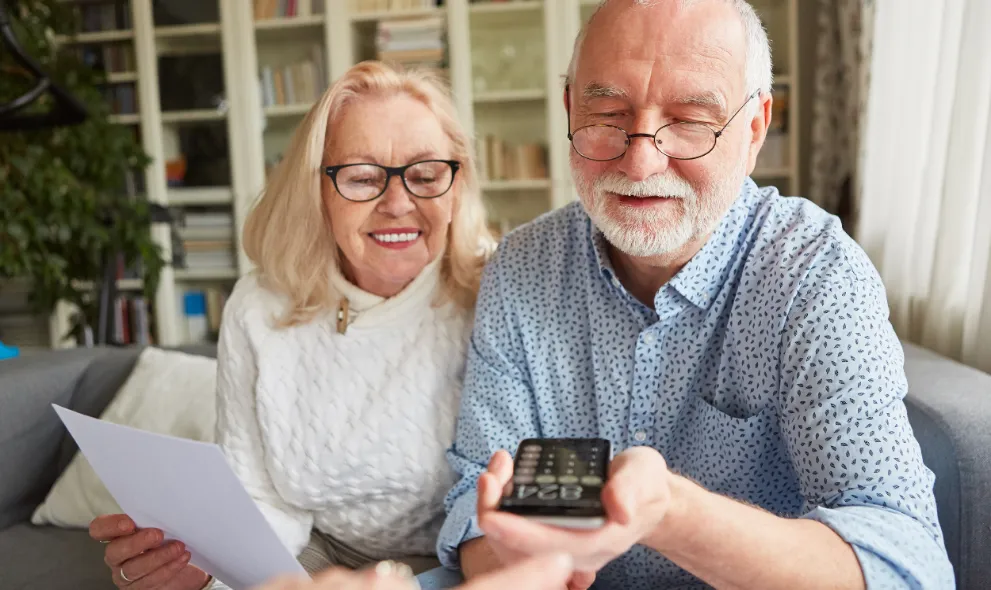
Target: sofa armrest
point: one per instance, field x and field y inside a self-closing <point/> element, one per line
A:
<point x="949" y="406"/>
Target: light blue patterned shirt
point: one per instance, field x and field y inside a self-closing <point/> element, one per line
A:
<point x="769" y="372"/>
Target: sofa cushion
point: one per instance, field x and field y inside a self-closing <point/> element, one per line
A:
<point x="51" y="558"/>
<point x="168" y="392"/>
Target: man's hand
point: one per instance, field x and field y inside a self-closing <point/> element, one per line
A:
<point x="636" y="498"/>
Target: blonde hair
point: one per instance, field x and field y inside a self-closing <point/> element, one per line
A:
<point x="287" y="235"/>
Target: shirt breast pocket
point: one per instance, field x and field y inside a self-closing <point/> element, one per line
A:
<point x="728" y="453"/>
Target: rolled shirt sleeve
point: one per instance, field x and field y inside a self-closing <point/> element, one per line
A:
<point x="845" y="425"/>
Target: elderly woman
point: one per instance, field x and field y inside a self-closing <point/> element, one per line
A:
<point x="341" y="355"/>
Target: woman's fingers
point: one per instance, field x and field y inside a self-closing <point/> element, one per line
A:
<point x="125" y="548"/>
<point x="110" y="526"/>
<point x="157" y="578"/>
<point x="150" y="562"/>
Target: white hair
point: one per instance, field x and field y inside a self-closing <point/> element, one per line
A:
<point x="759" y="74"/>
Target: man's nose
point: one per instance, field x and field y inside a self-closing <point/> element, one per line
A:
<point x="642" y="158"/>
<point x="396" y="201"/>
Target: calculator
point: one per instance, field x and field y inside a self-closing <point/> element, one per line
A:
<point x="559" y="481"/>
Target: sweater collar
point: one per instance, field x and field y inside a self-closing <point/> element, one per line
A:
<point x="367" y="309"/>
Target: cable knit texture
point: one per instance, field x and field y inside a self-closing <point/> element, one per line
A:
<point x="344" y="432"/>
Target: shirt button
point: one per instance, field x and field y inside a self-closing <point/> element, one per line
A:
<point x="616" y="283"/>
<point x="640" y="436"/>
<point x="648" y="338"/>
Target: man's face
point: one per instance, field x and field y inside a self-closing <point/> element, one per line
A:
<point x="642" y="68"/>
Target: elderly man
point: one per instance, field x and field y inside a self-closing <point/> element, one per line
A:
<point x="733" y="343"/>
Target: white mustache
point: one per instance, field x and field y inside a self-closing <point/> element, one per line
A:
<point x="655" y="186"/>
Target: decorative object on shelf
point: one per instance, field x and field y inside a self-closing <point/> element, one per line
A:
<point x="61" y="193"/>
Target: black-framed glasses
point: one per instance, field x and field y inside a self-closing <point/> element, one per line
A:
<point x="681" y="140"/>
<point x="427" y="179"/>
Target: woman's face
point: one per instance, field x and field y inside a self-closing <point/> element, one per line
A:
<point x="386" y="242"/>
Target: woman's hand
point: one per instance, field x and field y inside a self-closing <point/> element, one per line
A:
<point x="138" y="559"/>
<point x="539" y="573"/>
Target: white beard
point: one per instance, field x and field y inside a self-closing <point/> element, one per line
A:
<point x="653" y="231"/>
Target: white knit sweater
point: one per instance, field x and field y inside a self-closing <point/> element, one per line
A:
<point x="344" y="432"/>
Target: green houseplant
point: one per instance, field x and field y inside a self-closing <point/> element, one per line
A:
<point x="63" y="210"/>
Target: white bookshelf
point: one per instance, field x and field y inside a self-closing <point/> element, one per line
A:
<point x="528" y="108"/>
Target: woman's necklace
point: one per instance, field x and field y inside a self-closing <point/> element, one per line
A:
<point x="343" y="316"/>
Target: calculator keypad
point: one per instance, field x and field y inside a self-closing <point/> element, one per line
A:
<point x="559" y="465"/>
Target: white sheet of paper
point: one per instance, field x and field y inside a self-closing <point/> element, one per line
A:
<point x="186" y="489"/>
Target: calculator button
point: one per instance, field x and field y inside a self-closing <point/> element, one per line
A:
<point x="526" y="471"/>
<point x="567" y="479"/>
<point x="532" y="448"/>
<point x="528" y="463"/>
<point x="523" y="479"/>
<point x="591" y="480"/>
<point x="545" y="479"/>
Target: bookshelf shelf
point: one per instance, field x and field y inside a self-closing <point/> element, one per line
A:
<point x="506" y="7"/>
<point x="122" y="77"/>
<point x="200" y="196"/>
<point x="205" y="233"/>
<point x="122" y="284"/>
<point x="193" y="116"/>
<point x="523" y="95"/>
<point x="365" y="17"/>
<point x="129" y="119"/>
<point x="292" y="23"/>
<point x="95" y="37"/>
<point x="187" y="31"/>
<point x="287" y="110"/>
<point x="516" y="185"/>
<point x="205" y="274"/>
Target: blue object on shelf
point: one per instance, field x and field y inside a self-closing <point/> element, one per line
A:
<point x="194" y="303"/>
<point x="8" y="352"/>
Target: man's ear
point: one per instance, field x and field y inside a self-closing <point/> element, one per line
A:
<point x="759" y="125"/>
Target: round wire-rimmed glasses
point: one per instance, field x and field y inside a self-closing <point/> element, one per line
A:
<point x="681" y="140"/>
<point x="426" y="179"/>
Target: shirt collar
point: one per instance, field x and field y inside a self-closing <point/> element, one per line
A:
<point x="701" y="279"/>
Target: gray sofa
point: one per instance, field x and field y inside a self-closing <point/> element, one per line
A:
<point x="949" y="405"/>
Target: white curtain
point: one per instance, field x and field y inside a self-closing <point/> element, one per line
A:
<point x="925" y="186"/>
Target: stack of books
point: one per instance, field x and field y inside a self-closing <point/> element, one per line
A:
<point x="213" y="299"/>
<point x="265" y="9"/>
<point x="502" y="160"/>
<point x="412" y="42"/>
<point x="207" y="240"/>
<point x="360" y="6"/>
<point x="122" y="98"/>
<point x="298" y="83"/>
<point x="132" y="323"/>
